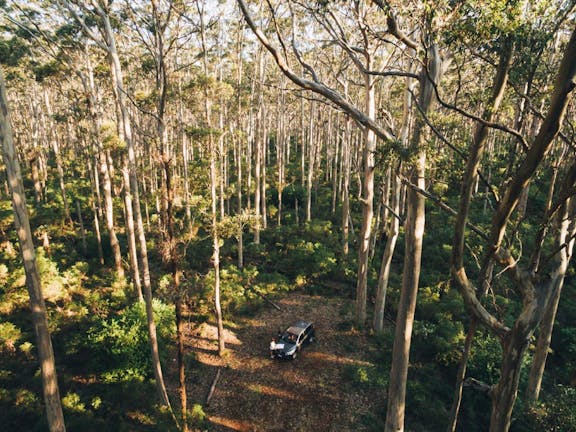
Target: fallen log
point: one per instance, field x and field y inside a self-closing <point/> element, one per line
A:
<point x="212" y="387"/>
<point x="266" y="299"/>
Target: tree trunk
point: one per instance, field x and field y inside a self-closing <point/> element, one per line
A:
<point x="36" y="154"/>
<point x="171" y="257"/>
<point x="504" y="393"/>
<point x="346" y="149"/>
<point x="38" y="189"/>
<point x="181" y="364"/>
<point x="536" y="305"/>
<point x="415" y="222"/>
<point x="310" y="172"/>
<point x="33" y="284"/>
<point x="126" y="131"/>
<point x="393" y="232"/>
<point x="263" y="184"/>
<point x="280" y="149"/>
<point x="82" y="231"/>
<point x="214" y="186"/>
<point x="455" y="409"/>
<point x="258" y="137"/>
<point x="536" y="292"/>
<point x="216" y="252"/>
<point x="240" y="235"/>
<point x="95" y="203"/>
<point x="394" y="227"/>
<point x="476" y="151"/>
<point x="543" y="344"/>
<point x="336" y="164"/>
<point x="547" y="324"/>
<point x="109" y="211"/>
<point x="239" y="153"/>
<point x="130" y="231"/>
<point x="367" y="201"/>
<point x="104" y="167"/>
<point x="56" y="148"/>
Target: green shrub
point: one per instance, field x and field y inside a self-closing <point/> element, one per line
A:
<point x="73" y="403"/>
<point x="242" y="291"/>
<point x="4" y="274"/>
<point x="53" y="284"/>
<point x="9" y="336"/>
<point x="120" y="343"/>
<point x="484" y="363"/>
<point x="426" y="395"/>
<point x="304" y="260"/>
<point x="438" y="332"/>
<point x="75" y="275"/>
<point x="555" y="413"/>
<point x="27" y="400"/>
<point x="373" y="422"/>
<point x="366" y="377"/>
<point x="197" y="416"/>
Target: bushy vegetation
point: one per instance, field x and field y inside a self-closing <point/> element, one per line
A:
<point x="554" y="413"/>
<point x="102" y="348"/>
<point x="119" y="344"/>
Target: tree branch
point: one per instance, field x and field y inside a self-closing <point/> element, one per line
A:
<point x="304" y="64"/>
<point x="85" y="29"/>
<point x="442" y="205"/>
<point x="317" y="87"/>
<point x="393" y="25"/>
<point x="561" y="96"/>
<point x="478" y="385"/>
<point x="479" y="119"/>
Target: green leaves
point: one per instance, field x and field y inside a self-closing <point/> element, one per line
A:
<point x="9" y="336"/>
<point x="199" y="132"/>
<point x="12" y="51"/>
<point x="120" y="343"/>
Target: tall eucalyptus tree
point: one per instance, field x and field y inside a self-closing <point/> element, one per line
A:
<point x="33" y="284"/>
<point x="99" y="12"/>
<point x="159" y="29"/>
<point x="534" y="288"/>
<point x="215" y="178"/>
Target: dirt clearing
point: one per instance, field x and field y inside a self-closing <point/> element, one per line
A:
<point x="255" y="393"/>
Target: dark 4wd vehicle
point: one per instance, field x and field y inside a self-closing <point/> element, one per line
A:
<point x="289" y="342"/>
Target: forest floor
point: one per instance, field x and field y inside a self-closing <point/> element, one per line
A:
<point x="255" y="393"/>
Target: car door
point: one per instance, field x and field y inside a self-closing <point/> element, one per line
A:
<point x="300" y="340"/>
<point x="306" y="334"/>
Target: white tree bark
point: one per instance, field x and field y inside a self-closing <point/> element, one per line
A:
<point x="33" y="283"/>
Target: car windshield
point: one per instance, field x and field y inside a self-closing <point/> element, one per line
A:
<point x="289" y="337"/>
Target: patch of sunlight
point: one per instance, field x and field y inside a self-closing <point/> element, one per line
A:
<point x="210" y="331"/>
<point x="298" y="301"/>
<point x="235" y="425"/>
<point x="273" y="392"/>
<point x="331" y="358"/>
<point x="140" y="417"/>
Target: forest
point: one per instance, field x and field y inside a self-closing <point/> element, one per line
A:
<point x="182" y="179"/>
